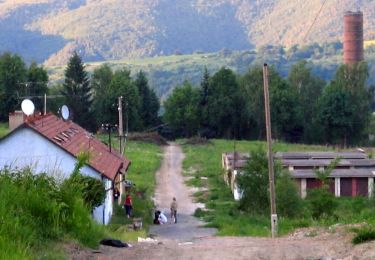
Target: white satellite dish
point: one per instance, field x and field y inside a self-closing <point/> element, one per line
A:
<point x="27" y="107"/>
<point x="65" y="112"/>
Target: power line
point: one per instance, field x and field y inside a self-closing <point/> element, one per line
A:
<point x="316" y="17"/>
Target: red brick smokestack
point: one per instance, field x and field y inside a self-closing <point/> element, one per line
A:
<point x="353" y="37"/>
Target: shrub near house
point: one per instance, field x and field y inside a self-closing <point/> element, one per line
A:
<point x="36" y="211"/>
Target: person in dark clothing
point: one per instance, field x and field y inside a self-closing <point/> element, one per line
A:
<point x="156" y="217"/>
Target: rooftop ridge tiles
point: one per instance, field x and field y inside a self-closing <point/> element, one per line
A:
<point x="72" y="138"/>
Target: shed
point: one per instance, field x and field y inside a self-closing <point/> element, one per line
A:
<point x="353" y="176"/>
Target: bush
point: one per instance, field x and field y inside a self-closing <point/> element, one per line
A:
<point x="288" y="201"/>
<point x="90" y="189"/>
<point x="253" y="182"/>
<point x="200" y="213"/>
<point x="322" y="202"/>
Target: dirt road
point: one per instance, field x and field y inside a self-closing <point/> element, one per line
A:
<point x="169" y="184"/>
<point x="186" y="240"/>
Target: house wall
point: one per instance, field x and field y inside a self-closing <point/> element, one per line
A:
<point x="237" y="193"/>
<point x="103" y="213"/>
<point x="26" y="148"/>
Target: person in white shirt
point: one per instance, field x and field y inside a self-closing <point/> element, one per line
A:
<point x="162" y="218"/>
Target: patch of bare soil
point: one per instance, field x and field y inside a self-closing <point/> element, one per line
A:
<point x="308" y="244"/>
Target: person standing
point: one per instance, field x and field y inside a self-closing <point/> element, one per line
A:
<point x="174" y="210"/>
<point x="128" y="205"/>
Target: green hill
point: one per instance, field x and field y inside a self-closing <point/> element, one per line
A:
<point x="50" y="30"/>
<point x="165" y="72"/>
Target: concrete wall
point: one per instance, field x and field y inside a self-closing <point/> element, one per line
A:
<point x="26" y="148"/>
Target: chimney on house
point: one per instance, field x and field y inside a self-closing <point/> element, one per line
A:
<point x="16" y="119"/>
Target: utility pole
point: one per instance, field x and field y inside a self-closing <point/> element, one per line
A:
<point x="127" y="124"/>
<point x="120" y="124"/>
<point x="120" y="135"/>
<point x="45" y="103"/>
<point x="270" y="154"/>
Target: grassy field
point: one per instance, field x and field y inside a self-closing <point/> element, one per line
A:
<point x="223" y="212"/>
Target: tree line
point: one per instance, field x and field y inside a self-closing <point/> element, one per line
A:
<point x="92" y="100"/>
<point x="304" y="108"/>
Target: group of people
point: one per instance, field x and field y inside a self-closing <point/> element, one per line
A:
<point x="160" y="218"/>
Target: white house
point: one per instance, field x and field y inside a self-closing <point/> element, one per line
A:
<point x="50" y="144"/>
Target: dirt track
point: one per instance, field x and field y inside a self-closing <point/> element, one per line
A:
<point x="169" y="184"/>
<point x="186" y="240"/>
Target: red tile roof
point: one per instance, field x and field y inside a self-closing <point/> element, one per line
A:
<point x="74" y="139"/>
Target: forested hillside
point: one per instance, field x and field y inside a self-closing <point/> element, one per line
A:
<point x="166" y="72"/>
<point x="51" y="30"/>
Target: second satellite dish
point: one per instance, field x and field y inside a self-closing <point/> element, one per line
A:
<point x="65" y="112"/>
<point x="27" y="107"/>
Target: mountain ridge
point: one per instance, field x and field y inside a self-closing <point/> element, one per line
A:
<point x="49" y="31"/>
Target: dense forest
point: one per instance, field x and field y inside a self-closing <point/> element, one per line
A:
<point x="166" y="72"/>
<point x="304" y="107"/>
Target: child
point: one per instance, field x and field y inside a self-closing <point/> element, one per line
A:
<point x="128" y="205"/>
<point x="174" y="210"/>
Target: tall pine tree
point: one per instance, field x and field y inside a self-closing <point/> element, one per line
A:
<point x="204" y="112"/>
<point x="149" y="102"/>
<point x="77" y="93"/>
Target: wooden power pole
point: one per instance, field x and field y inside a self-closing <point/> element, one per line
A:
<point x="120" y="123"/>
<point x="270" y="154"/>
<point x="120" y="135"/>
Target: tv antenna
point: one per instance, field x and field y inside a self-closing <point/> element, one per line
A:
<point x="27" y="107"/>
<point x="65" y="112"/>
